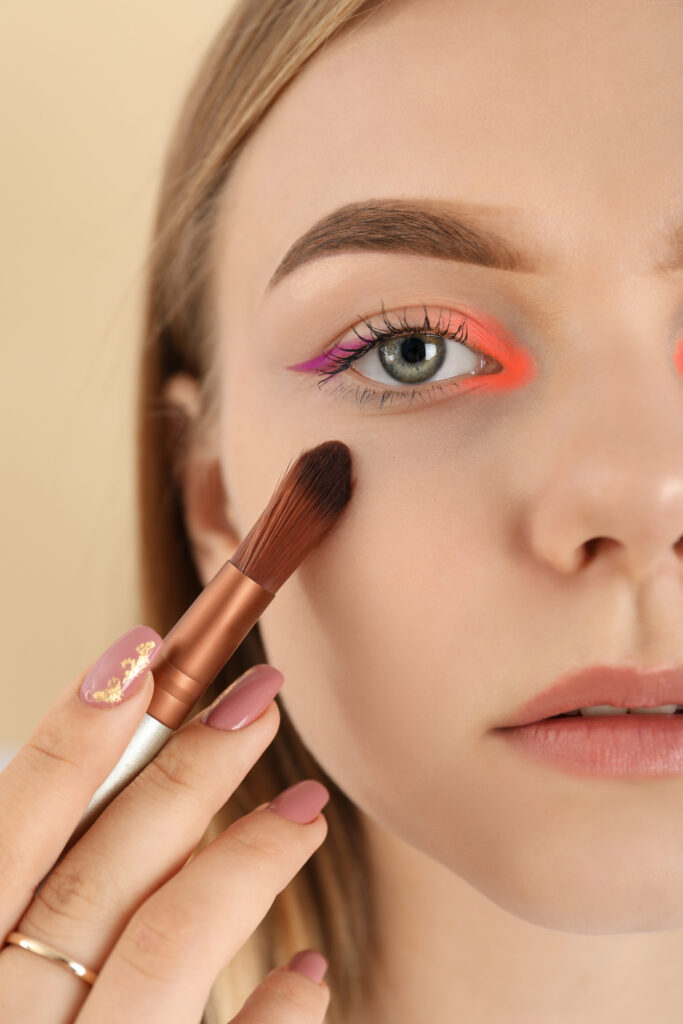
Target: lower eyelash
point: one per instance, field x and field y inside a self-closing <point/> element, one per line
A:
<point x="365" y="395"/>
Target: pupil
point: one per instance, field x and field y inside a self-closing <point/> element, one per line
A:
<point x="413" y="349"/>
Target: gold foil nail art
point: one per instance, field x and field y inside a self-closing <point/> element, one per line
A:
<point x="114" y="690"/>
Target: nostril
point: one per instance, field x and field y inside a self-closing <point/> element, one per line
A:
<point x="592" y="546"/>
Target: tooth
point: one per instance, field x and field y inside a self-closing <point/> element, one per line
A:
<point x="668" y="708"/>
<point x="603" y="709"/>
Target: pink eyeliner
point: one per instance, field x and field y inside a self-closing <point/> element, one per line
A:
<point x="321" y="361"/>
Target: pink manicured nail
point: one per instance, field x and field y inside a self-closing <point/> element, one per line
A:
<point x="119" y="672"/>
<point x="301" y="802"/>
<point x="245" y="699"/>
<point x="310" y="963"/>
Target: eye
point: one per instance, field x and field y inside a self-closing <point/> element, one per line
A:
<point x="416" y="358"/>
<point x="410" y="352"/>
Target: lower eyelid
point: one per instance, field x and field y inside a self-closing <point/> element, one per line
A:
<point x="517" y="373"/>
<point x="427" y="393"/>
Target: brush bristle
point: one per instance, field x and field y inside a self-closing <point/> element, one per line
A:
<point x="305" y="505"/>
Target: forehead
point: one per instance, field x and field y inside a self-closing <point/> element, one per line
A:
<point x="567" y="113"/>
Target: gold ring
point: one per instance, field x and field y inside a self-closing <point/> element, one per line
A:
<point x="36" y="946"/>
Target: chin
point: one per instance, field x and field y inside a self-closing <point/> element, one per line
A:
<point x="589" y="885"/>
<point x="595" y="910"/>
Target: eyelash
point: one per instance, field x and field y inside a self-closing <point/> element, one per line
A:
<point x="339" y="363"/>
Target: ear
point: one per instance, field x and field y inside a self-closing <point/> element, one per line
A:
<point x="197" y="472"/>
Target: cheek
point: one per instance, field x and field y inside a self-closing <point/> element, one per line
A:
<point x="396" y="633"/>
<point x="383" y="635"/>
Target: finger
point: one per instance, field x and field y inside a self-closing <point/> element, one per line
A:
<point x="146" y="835"/>
<point x="47" y="786"/>
<point x="295" y="994"/>
<point x="164" y="964"/>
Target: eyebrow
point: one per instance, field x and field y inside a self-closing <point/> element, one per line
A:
<point x="437" y="228"/>
<point x="426" y="227"/>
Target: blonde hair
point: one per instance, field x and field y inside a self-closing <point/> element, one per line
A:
<point x="258" y="50"/>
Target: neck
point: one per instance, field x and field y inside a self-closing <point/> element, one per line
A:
<point x="450" y="953"/>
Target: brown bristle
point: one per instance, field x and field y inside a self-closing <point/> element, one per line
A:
<point x="305" y="505"/>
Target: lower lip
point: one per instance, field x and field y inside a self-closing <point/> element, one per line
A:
<point x="635" y="746"/>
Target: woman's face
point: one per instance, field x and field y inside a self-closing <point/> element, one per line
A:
<point x="458" y="582"/>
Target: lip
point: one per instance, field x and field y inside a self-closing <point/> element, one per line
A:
<point x="623" y="687"/>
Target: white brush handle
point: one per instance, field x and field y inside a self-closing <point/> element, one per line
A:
<point x="147" y="740"/>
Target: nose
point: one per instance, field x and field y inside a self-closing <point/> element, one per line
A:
<point x="614" y="496"/>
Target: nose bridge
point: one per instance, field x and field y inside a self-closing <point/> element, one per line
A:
<point x="630" y="410"/>
<point x="616" y="372"/>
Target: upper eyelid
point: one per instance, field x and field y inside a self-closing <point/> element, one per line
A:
<point x="339" y="343"/>
<point x="450" y="331"/>
<point x="365" y="322"/>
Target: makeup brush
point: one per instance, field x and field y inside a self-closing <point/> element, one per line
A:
<point x="306" y="503"/>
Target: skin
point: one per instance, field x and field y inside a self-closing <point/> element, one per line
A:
<point x="453" y="588"/>
<point x="124" y="901"/>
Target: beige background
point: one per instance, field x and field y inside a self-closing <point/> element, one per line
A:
<point x="88" y="93"/>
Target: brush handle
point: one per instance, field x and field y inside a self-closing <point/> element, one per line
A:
<point x="195" y="650"/>
<point x="147" y="740"/>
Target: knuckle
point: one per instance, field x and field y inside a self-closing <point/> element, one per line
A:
<point x="67" y="895"/>
<point x="157" y="940"/>
<point x="172" y="772"/>
<point x="271" y="852"/>
<point x="250" y="836"/>
<point x="50" y="750"/>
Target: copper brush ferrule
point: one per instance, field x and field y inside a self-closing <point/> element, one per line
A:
<point x="305" y="505"/>
<point x="202" y="640"/>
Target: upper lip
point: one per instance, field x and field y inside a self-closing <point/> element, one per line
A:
<point x="622" y="687"/>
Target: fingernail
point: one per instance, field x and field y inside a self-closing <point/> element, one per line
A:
<point x="301" y="802"/>
<point x="119" y="672"/>
<point x="309" y="963"/>
<point x="245" y="699"/>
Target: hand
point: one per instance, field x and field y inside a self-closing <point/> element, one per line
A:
<point x="125" y="901"/>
